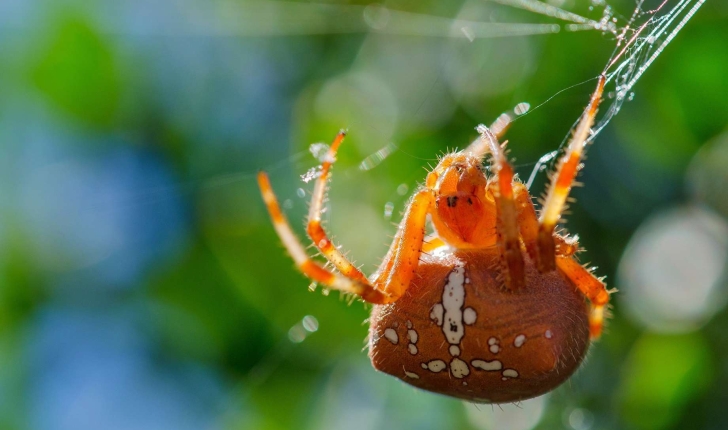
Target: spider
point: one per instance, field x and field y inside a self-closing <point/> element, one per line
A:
<point x="491" y="307"/>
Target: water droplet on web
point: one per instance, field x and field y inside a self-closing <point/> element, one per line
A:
<point x="521" y="108"/>
<point x="631" y="96"/>
<point x="310" y="323"/>
<point x="287" y="204"/>
<point x="373" y="160"/>
<point x="402" y="189"/>
<point x="301" y="193"/>
<point x="300" y="331"/>
<point x="296" y="334"/>
<point x="388" y="209"/>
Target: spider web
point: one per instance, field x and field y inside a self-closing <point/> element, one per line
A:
<point x="640" y="37"/>
<point x="640" y="40"/>
<point x="638" y="46"/>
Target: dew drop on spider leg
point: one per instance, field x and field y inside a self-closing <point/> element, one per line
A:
<point x="319" y="151"/>
<point x="311" y="174"/>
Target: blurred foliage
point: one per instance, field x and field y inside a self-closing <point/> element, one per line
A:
<point x="142" y="284"/>
<point x="77" y="73"/>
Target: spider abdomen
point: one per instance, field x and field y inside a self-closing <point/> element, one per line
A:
<point x="458" y="332"/>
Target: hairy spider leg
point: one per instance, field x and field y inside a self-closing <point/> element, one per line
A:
<point x="399" y="264"/>
<point x="304" y="263"/>
<point x="548" y="249"/>
<point x="592" y="287"/>
<point x="404" y="253"/>
<point x="315" y="230"/>
<point x="401" y="261"/>
<point x="565" y="248"/>
<point x="528" y="227"/>
<point x="527" y="220"/>
<point x="479" y="147"/>
<point x="562" y="181"/>
<point x="432" y="242"/>
<point x="507" y="223"/>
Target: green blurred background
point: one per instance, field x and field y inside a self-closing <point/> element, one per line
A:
<point x="142" y="285"/>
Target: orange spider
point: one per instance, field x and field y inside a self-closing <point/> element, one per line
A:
<point x="491" y="307"/>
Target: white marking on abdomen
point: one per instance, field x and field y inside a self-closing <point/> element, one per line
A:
<point x="510" y="373"/>
<point x="469" y="316"/>
<point x="391" y="335"/>
<point x="487" y="365"/>
<point x="494" y="347"/>
<point x="454" y="350"/>
<point x="412" y="348"/>
<point x="435" y="366"/>
<point x="411" y="375"/>
<point x="453" y="298"/>
<point x="459" y="368"/>
<point x="412" y="335"/>
<point x="436" y="314"/>
<point x="519" y="340"/>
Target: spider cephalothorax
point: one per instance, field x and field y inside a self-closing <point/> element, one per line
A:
<point x="489" y="308"/>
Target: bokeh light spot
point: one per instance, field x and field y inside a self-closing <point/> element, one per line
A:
<point x="672" y="274"/>
<point x="522" y="416"/>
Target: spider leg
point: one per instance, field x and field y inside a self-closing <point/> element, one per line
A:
<point x="403" y="257"/>
<point x="479" y="147"/>
<point x="429" y="243"/>
<point x="563" y="180"/>
<point x="527" y="221"/>
<point x="507" y="223"/>
<point x="591" y="287"/>
<point x="528" y="227"/>
<point x="314" y="229"/>
<point x="565" y="248"/>
<point x="307" y="266"/>
<point x="432" y="242"/>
